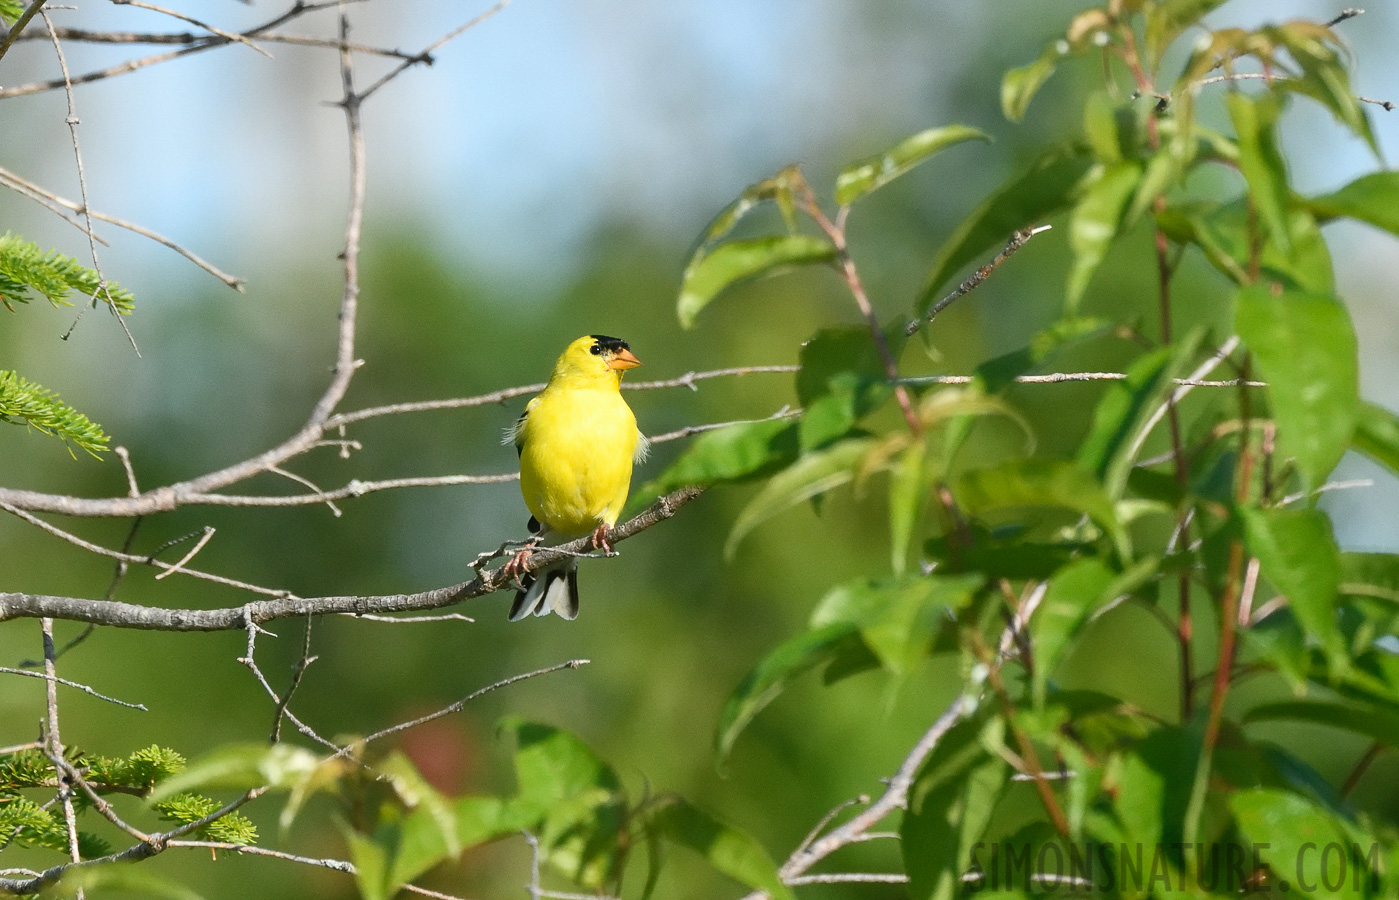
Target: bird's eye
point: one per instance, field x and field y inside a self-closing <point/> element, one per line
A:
<point x="595" y="349"/>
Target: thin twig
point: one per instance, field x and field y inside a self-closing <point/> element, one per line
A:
<point x="47" y="197"/>
<point x="426" y="55"/>
<point x="226" y="35"/>
<point x="199" y="545"/>
<point x="1017" y="240"/>
<point x="54" y="679"/>
<point x="72" y="122"/>
<point x="302" y="665"/>
<point x="461" y="704"/>
<point x="53" y="744"/>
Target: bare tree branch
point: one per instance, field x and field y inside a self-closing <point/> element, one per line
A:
<point x="130" y="615"/>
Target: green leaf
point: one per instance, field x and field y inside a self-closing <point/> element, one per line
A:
<point x="1377" y="435"/>
<point x="1289" y="834"/>
<point x="10" y="11"/>
<point x="1074" y="593"/>
<point x="896" y="619"/>
<point x="23" y="402"/>
<point x="909" y="485"/>
<point x="779" y="188"/>
<point x="1041" y="483"/>
<point x="119" y="878"/>
<point x="1305" y="349"/>
<point x="552" y="765"/>
<point x="242" y="767"/>
<point x="1373" y="721"/>
<point x="1019" y="86"/>
<point x="1162" y="171"/>
<point x="1372" y="198"/>
<point x="371" y="861"/>
<point x="841" y="380"/>
<point x="727" y="455"/>
<point x="1370" y="575"/>
<point x="711" y="272"/>
<point x="1260" y="160"/>
<point x="1154" y="788"/>
<point x="810" y="476"/>
<point x="1047" y="188"/>
<point x="1127" y="407"/>
<point x="1165" y="21"/>
<point x="1120" y="415"/>
<point x="859" y="178"/>
<point x="1298" y="555"/>
<point x="1316" y="49"/>
<point x="767" y="680"/>
<point x="576" y="795"/>
<point x="1096" y="221"/>
<point x="949" y="806"/>
<point x="417" y="794"/>
<point x="1227" y="240"/>
<point x="726" y="848"/>
<point x="1000" y="372"/>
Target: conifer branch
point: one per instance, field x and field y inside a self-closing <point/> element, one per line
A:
<point x="23" y="402"/>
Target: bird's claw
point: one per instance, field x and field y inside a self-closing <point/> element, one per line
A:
<point x="601" y="539"/>
<point x="516" y="566"/>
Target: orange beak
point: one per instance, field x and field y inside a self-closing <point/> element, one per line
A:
<point x="623" y="359"/>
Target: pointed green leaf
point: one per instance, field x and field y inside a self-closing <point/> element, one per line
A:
<point x="1026" y="199"/>
<point x="1166" y="20"/>
<point x="727" y="455"/>
<point x="1372" y="198"/>
<point x="1370" y="575"/>
<point x="909" y="487"/>
<point x="577" y="797"/>
<point x="1127" y="407"/>
<point x="1377" y="435"/>
<point x="859" y="178"/>
<point x="119" y="878"/>
<point x="710" y="272"/>
<point x="768" y="679"/>
<point x="1154" y="788"/>
<point x="1000" y="372"/>
<point x="1298" y="555"/>
<point x="1260" y="160"/>
<point x="897" y="619"/>
<point x="1317" y="51"/>
<point x="241" y="767"/>
<point x="371" y="861"/>
<point x="1074" y="593"/>
<point x="726" y="848"/>
<point x="1019" y="86"/>
<point x="1095" y="222"/>
<point x="810" y="476"/>
<point x="1041" y="483"/>
<point x="1226" y="238"/>
<point x="1375" y="722"/>
<point x="841" y="380"/>
<point x="779" y="188"/>
<point x="1289" y="833"/>
<point x="1305" y="348"/>
<point x="949" y="807"/>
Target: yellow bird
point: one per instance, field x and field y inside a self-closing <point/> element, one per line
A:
<point x="576" y="441"/>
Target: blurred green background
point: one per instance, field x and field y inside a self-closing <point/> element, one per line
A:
<point x="545" y="179"/>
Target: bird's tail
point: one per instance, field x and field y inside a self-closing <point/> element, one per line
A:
<point x="553" y="589"/>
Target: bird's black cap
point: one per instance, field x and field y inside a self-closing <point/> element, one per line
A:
<point x="603" y="342"/>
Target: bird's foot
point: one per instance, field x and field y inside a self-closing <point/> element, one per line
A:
<point x="516" y="566"/>
<point x="602" y="539"/>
